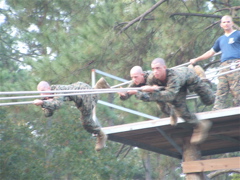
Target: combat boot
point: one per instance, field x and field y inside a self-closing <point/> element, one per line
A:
<point x="191" y="66"/>
<point x="200" y="134"/>
<point x="101" y="141"/>
<point x="173" y="119"/>
<point x="200" y="72"/>
<point x="102" y="84"/>
<point x="173" y="116"/>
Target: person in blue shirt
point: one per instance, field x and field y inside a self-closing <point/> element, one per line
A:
<point x="229" y="45"/>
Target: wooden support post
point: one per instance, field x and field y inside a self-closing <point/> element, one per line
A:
<point x="191" y="153"/>
<point x="211" y="165"/>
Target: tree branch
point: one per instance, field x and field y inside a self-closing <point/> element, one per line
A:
<point x="230" y="8"/>
<point x="195" y="14"/>
<point x="217" y="173"/>
<point x="139" y="18"/>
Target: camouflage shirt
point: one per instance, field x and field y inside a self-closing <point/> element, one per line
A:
<point x="85" y="103"/>
<point x="177" y="80"/>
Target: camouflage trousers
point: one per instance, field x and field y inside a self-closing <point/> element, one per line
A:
<point x="89" y="124"/>
<point x="86" y="107"/>
<point x="202" y="88"/>
<point x="165" y="108"/>
<point x="86" y="104"/>
<point x="229" y="83"/>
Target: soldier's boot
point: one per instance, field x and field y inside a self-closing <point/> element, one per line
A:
<point x="200" y="72"/>
<point x="101" y="141"/>
<point x="102" y="84"/>
<point x="191" y="66"/>
<point x="173" y="119"/>
<point x="200" y="133"/>
<point x="173" y="116"/>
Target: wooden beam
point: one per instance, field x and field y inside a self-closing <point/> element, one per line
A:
<point x="144" y="146"/>
<point x="211" y="165"/>
<point x="218" y="114"/>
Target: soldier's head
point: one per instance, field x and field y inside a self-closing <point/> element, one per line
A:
<point x="44" y="86"/>
<point x="227" y="23"/>
<point x="159" y="68"/>
<point x="137" y="75"/>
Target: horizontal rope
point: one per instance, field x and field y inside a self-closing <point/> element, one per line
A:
<point x="16" y="103"/>
<point x="81" y="92"/>
<point x="191" y="96"/>
<point x="71" y="94"/>
<point x="233" y="64"/>
<point x="58" y="91"/>
<point x="224" y="73"/>
<point x="185" y="64"/>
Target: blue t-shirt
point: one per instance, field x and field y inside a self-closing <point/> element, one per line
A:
<point x="229" y="46"/>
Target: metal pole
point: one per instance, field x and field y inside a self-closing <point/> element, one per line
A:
<point x="67" y="91"/>
<point x="93" y="77"/>
<point x="128" y="82"/>
<point x="72" y="94"/>
<point x="16" y="103"/>
<point x="109" y="75"/>
<point x="223" y="68"/>
<point x="185" y="64"/>
<point x="224" y="73"/>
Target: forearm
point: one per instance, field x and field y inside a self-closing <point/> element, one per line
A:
<point x="163" y="96"/>
<point x="204" y="56"/>
<point x="52" y="104"/>
<point x="125" y="97"/>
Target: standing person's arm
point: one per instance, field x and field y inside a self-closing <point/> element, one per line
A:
<point x="206" y="55"/>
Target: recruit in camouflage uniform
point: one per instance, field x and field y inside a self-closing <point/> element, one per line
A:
<point x="85" y="103"/>
<point x="177" y="83"/>
<point x="163" y="106"/>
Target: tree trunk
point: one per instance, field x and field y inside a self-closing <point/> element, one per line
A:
<point x="191" y="153"/>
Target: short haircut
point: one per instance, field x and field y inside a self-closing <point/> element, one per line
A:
<point x="159" y="60"/>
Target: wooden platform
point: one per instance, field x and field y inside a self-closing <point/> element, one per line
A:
<point x="160" y="137"/>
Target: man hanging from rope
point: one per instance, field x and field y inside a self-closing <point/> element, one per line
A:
<point x="85" y="103"/>
<point x="177" y="82"/>
<point x="139" y="79"/>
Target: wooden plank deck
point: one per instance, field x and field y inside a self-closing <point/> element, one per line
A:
<point x="160" y="137"/>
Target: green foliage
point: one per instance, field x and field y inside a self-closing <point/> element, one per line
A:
<point x="235" y="177"/>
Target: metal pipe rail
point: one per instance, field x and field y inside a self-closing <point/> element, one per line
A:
<point x="235" y="64"/>
<point x="67" y="91"/>
<point x="224" y="73"/>
<point x="16" y="103"/>
<point x="91" y="91"/>
<point x="185" y="64"/>
<point x="128" y="82"/>
<point x="72" y="94"/>
<point x="109" y="75"/>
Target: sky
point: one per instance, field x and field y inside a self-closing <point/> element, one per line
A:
<point x="2" y="6"/>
